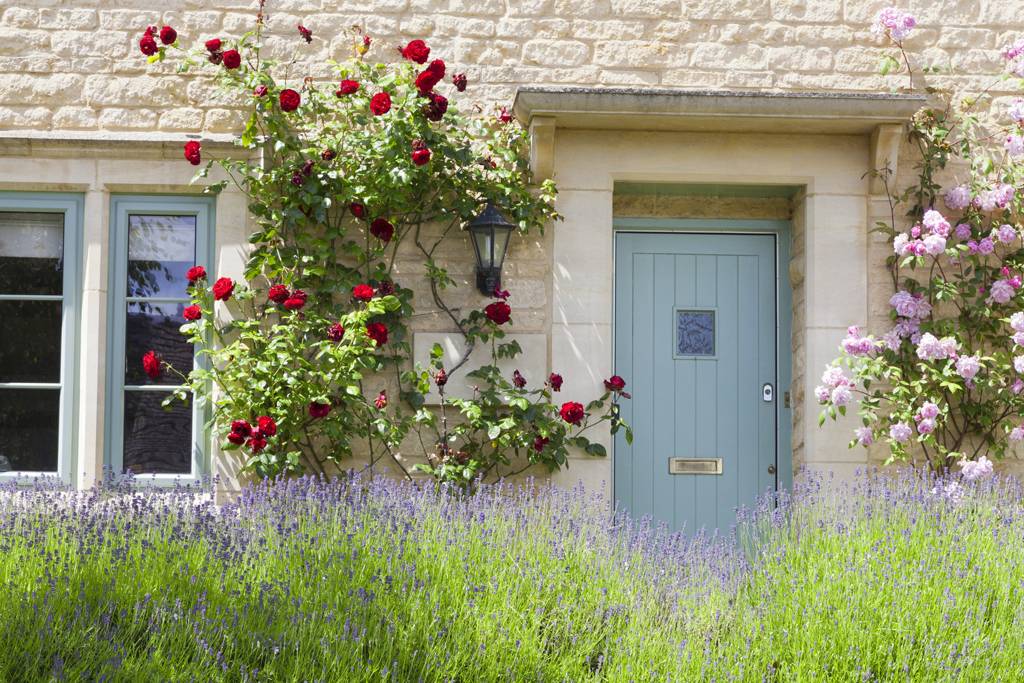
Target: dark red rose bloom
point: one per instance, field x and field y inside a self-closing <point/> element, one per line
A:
<point x="347" y="87"/>
<point x="327" y="154"/>
<point x="213" y="45"/>
<point x="147" y="45"/>
<point x="357" y="209"/>
<point x="267" y="425"/>
<point x="336" y="332"/>
<point x="366" y="42"/>
<point x="152" y="365"/>
<point x="505" y="116"/>
<point x="416" y="51"/>
<point x="298" y="178"/>
<point x="426" y="81"/>
<point x="296" y="301"/>
<point x="381" y="402"/>
<point x="257" y="442"/>
<point x="378" y="332"/>
<point x="498" y="312"/>
<point x="386" y="288"/>
<point x="362" y="292"/>
<point x="306" y="34"/>
<point x="441" y="377"/>
<point x="555" y="380"/>
<point x="540" y="442"/>
<point x="192" y="312"/>
<point x="615" y="383"/>
<point x="236" y="438"/>
<point x="223" y="288"/>
<point x="290" y="100"/>
<point x="459" y="80"/>
<point x="572" y="412"/>
<point x="215" y="57"/>
<point x="437" y="68"/>
<point x="240" y="431"/>
<point x="421" y="156"/>
<point x="435" y="110"/>
<point x="278" y="293"/>
<point x="232" y="60"/>
<point x="168" y="35"/>
<point x="518" y="380"/>
<point x="260" y="91"/>
<point x="502" y="294"/>
<point x="382" y="230"/>
<point x="192" y="152"/>
<point x="318" y="410"/>
<point x="195" y="273"/>
<point x="307" y="168"/>
<point x="380" y="103"/>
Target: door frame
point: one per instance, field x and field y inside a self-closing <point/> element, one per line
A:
<point x="782" y="230"/>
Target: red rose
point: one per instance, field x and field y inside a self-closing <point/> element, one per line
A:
<point x="223" y="288"/>
<point x="505" y="116"/>
<point x="306" y="34"/>
<point x="240" y="431"/>
<point x="347" y="87"/>
<point x="213" y="45"/>
<point x="441" y="378"/>
<point x="381" y="402"/>
<point x="327" y="154"/>
<point x="382" y="230"/>
<point x="147" y="45"/>
<point x="267" y="425"/>
<point x="437" y="68"/>
<point x="192" y="313"/>
<point x="500" y="293"/>
<point x="362" y="292"/>
<point x="380" y="103"/>
<point x="518" y="380"/>
<point x="357" y="209"/>
<point x="290" y="100"/>
<point x="615" y="383"/>
<point x="572" y="412"/>
<point x="232" y="60"/>
<point x="555" y="380"/>
<point x="195" y="273"/>
<point x="416" y="51"/>
<point x="257" y="442"/>
<point x="386" y="288"/>
<point x="426" y="81"/>
<point x="540" y="442"/>
<point x="378" y="332"/>
<point x="260" y="91"/>
<point x="421" y="156"/>
<point x="434" y="111"/>
<point x="168" y="35"/>
<point x="278" y="293"/>
<point x="296" y="301"/>
<point x="498" y="312"/>
<point x="336" y="332"/>
<point x="152" y="365"/>
<point x="318" y="410"/>
<point x="192" y="152"/>
<point x="459" y="80"/>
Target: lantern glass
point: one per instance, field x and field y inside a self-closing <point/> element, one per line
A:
<point x="490" y="232"/>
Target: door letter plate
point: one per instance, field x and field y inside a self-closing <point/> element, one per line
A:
<point x="694" y="465"/>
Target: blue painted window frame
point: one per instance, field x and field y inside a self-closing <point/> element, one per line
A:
<point x="121" y="207"/>
<point x="72" y="207"/>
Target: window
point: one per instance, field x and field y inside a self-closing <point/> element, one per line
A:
<point x="155" y="242"/>
<point x="695" y="333"/>
<point x="39" y="235"/>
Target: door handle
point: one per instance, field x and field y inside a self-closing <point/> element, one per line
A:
<point x="771" y="469"/>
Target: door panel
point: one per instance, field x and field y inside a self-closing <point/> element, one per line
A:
<point x="695" y="335"/>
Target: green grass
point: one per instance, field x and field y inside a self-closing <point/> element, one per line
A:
<point x="376" y="581"/>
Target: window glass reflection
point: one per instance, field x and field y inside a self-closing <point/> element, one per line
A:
<point x="156" y="441"/>
<point x="31" y="253"/>
<point x="150" y="326"/>
<point x="161" y="249"/>
<point x="29" y="430"/>
<point x="30" y="341"/>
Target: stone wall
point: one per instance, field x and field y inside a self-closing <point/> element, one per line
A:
<point x="76" y="66"/>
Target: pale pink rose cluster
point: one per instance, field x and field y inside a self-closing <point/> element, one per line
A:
<point x="932" y="348"/>
<point x="999" y="197"/>
<point x="835" y="388"/>
<point x="894" y="22"/>
<point x="856" y="344"/>
<point x="865" y="437"/>
<point x="913" y="306"/>
<point x="926" y="417"/>
<point x="968" y="366"/>
<point x="927" y="238"/>
<point x="1014" y="56"/>
<point x="1017" y="325"/>
<point x="1017" y="110"/>
<point x="1014" y="145"/>
<point x="973" y="470"/>
<point x="900" y="432"/>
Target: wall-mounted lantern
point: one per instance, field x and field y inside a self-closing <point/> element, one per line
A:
<point x="490" y="233"/>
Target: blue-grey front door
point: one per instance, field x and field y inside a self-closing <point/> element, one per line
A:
<point x="695" y="337"/>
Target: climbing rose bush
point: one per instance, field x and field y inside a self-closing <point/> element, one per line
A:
<point x="298" y="360"/>
<point x="946" y="382"/>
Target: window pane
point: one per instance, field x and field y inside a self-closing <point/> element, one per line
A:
<point x="156" y="441"/>
<point x="161" y="249"/>
<point x="31" y="253"/>
<point x="155" y="326"/>
<point x="30" y="341"/>
<point x="29" y="433"/>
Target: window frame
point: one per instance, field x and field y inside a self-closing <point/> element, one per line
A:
<point x="121" y="207"/>
<point x="72" y="206"/>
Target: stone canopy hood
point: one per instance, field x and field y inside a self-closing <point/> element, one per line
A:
<point x="882" y="116"/>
